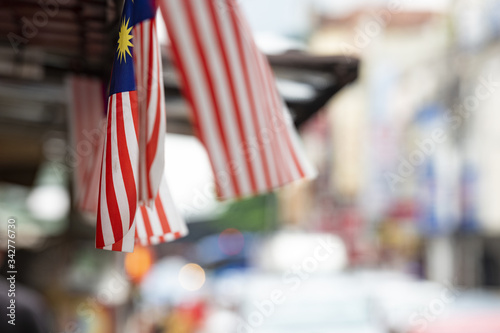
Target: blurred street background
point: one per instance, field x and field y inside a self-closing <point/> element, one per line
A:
<point x="397" y="104"/>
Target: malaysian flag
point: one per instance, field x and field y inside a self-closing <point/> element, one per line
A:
<point x="86" y="118"/>
<point x="135" y="132"/>
<point x="237" y="112"/>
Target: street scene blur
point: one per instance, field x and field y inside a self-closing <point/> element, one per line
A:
<point x="380" y="216"/>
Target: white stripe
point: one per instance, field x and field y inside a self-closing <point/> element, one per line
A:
<point x="153" y="97"/>
<point x="139" y="221"/>
<point x="129" y="240"/>
<point x="174" y="12"/>
<point x="154" y="240"/>
<point x="132" y="145"/>
<point x="216" y="64"/>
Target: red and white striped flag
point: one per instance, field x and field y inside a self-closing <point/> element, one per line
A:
<point x="237" y="112"/>
<point x="135" y="132"/>
<point x="86" y="118"/>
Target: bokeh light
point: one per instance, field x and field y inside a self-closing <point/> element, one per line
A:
<point x="231" y="241"/>
<point x="138" y="263"/>
<point x="192" y="277"/>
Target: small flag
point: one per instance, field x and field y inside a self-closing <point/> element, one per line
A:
<point x="237" y="112"/>
<point x="119" y="172"/>
<point x="133" y="160"/>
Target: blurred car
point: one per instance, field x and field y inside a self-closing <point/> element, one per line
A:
<point x="314" y="304"/>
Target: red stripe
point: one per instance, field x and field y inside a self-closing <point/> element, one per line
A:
<point x="134" y="112"/>
<point x="99" y="236"/>
<point x="211" y="86"/>
<point x="186" y="89"/>
<point x="253" y="109"/>
<point x="162" y="216"/>
<point x="150" y="146"/>
<point x="147" y="221"/>
<point x="112" y="203"/>
<point x="123" y="154"/>
<point x="232" y="87"/>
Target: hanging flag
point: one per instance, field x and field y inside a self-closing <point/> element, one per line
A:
<point x="237" y="112"/>
<point x="119" y="172"/>
<point x="86" y="117"/>
<point x="133" y="159"/>
<point x="151" y="101"/>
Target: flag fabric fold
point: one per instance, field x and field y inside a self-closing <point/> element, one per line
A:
<point x="161" y="222"/>
<point x="134" y="202"/>
<point x="237" y="112"/>
<point x="151" y="100"/>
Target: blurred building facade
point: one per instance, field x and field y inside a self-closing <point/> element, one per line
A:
<point x="410" y="149"/>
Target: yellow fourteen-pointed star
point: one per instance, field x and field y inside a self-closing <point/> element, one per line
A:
<point x="124" y="37"/>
